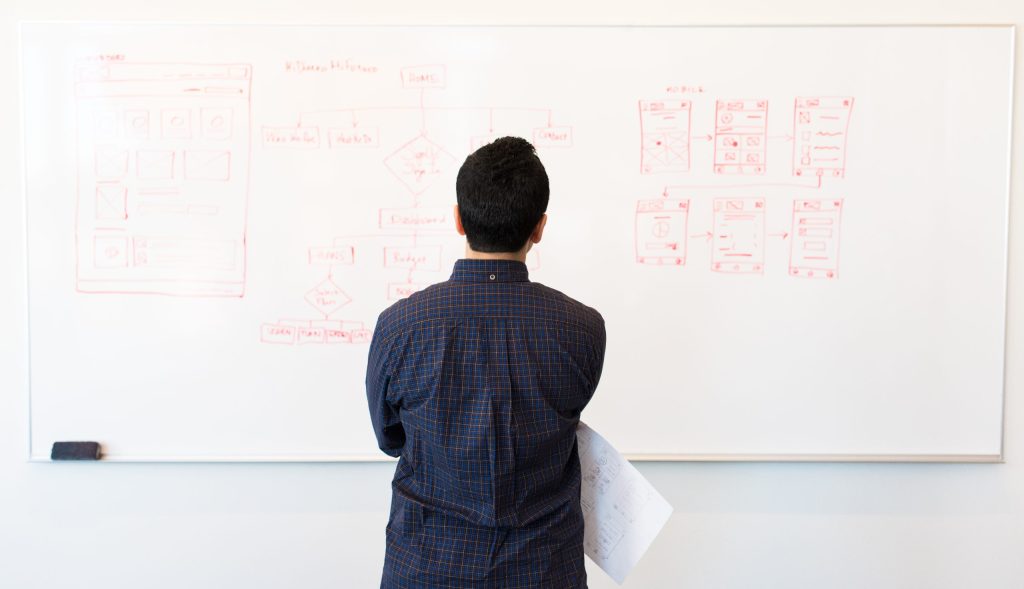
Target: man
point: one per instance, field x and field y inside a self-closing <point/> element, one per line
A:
<point x="477" y="384"/>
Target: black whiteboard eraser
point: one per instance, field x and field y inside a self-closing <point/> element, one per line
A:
<point x="75" y="451"/>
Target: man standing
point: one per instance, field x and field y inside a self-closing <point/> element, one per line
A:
<point x="477" y="384"/>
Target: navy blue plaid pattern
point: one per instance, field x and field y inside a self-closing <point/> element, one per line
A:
<point x="477" y="385"/>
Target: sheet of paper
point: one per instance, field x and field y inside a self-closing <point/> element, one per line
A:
<point x="621" y="510"/>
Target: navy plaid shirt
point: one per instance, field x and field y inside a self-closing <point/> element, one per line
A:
<point x="477" y="384"/>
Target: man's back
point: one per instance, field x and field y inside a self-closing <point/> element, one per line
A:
<point x="478" y="383"/>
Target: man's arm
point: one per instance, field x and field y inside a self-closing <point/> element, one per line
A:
<point x="600" y="344"/>
<point x="386" y="424"/>
<point x="595" y="359"/>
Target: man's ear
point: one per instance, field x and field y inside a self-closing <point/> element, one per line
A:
<point x="538" y="231"/>
<point x="458" y="222"/>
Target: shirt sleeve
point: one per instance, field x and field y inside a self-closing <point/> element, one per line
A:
<point x="600" y="342"/>
<point x="387" y="425"/>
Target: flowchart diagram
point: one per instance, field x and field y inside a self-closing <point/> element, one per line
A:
<point x="736" y="227"/>
<point x="413" y="240"/>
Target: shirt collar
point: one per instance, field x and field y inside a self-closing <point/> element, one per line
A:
<point x="467" y="270"/>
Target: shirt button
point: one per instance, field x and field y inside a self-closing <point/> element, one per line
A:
<point x="492" y="276"/>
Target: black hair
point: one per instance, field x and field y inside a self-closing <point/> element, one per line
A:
<point x="502" y="191"/>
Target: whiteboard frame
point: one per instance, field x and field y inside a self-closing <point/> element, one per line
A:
<point x="998" y="458"/>
<point x="652" y="458"/>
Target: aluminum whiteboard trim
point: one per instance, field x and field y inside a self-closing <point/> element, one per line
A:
<point x="1008" y="236"/>
<point x="370" y="458"/>
<point x="903" y="458"/>
<point x="563" y="25"/>
<point x="260" y="458"/>
<point x="24" y="220"/>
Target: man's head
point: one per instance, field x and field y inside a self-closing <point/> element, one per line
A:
<point x="502" y="191"/>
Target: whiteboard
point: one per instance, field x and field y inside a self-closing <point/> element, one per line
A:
<point x="797" y="235"/>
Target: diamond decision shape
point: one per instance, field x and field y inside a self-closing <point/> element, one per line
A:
<point x="327" y="297"/>
<point x="419" y="163"/>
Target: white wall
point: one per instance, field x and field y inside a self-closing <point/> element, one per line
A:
<point x="321" y="525"/>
